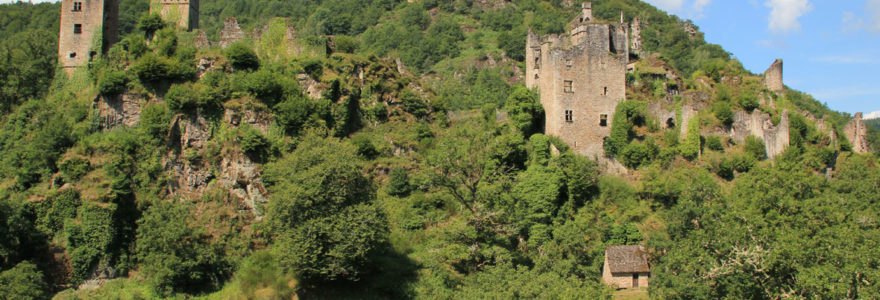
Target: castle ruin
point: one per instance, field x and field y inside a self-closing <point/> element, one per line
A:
<point x="857" y="133"/>
<point x="183" y="13"/>
<point x="88" y="27"/>
<point x="581" y="77"/>
<point x="773" y="77"/>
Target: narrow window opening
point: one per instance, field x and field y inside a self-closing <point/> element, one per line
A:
<point x="603" y="120"/>
<point x="566" y="86"/>
<point x="537" y="62"/>
<point x="536" y="76"/>
<point x="72" y="55"/>
<point x="568" y="62"/>
<point x="569" y="116"/>
<point x="77" y="28"/>
<point x="77" y="6"/>
<point x="92" y="55"/>
<point x="670" y="123"/>
<point x="605" y="91"/>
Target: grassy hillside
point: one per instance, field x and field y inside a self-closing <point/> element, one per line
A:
<point x="258" y="172"/>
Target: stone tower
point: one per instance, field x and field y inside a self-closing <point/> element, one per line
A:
<point x="773" y="77"/>
<point x="581" y="77"/>
<point x="857" y="133"/>
<point x="636" y="37"/>
<point x="87" y="28"/>
<point x="184" y="13"/>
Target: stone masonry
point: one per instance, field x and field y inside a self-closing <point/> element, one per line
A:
<point x="775" y="137"/>
<point x="857" y="133"/>
<point x="183" y="13"/>
<point x="636" y="37"/>
<point x="773" y="77"/>
<point x="581" y="77"/>
<point x="87" y="28"/>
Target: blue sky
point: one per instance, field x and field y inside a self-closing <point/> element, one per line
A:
<point x="830" y="49"/>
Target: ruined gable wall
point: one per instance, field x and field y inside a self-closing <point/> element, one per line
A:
<point x="183" y="13"/>
<point x="776" y="138"/>
<point x="98" y="19"/>
<point x="857" y="133"/>
<point x="636" y="37"/>
<point x="773" y="77"/>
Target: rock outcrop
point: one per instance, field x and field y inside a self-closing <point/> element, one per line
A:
<point x="857" y="133"/>
<point x="776" y="137"/>
<point x="118" y="110"/>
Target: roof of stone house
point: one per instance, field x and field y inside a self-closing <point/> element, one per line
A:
<point x="627" y="259"/>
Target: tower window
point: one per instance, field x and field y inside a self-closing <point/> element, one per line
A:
<point x="566" y="86"/>
<point x="605" y="91"/>
<point x="77" y="28"/>
<point x="569" y="116"/>
<point x="603" y="120"/>
<point x="72" y="54"/>
<point x="77" y="6"/>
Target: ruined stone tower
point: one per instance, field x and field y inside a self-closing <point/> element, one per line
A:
<point x="88" y="27"/>
<point x="183" y="13"/>
<point x="857" y="133"/>
<point x="636" y="37"/>
<point x="773" y="77"/>
<point x="581" y="77"/>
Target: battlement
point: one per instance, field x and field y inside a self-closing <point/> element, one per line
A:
<point x="87" y="27"/>
<point x="581" y="77"/>
<point x="183" y="13"/>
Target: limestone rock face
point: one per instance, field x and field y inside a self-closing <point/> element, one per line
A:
<point x="857" y="133"/>
<point x="118" y="110"/>
<point x="776" y="137"/>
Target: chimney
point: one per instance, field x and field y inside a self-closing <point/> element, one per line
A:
<point x="587" y="11"/>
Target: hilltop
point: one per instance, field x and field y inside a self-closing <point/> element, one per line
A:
<point x="385" y="149"/>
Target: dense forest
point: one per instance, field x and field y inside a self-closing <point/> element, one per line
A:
<point x="374" y="162"/>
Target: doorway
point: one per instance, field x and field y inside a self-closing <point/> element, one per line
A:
<point x="635" y="281"/>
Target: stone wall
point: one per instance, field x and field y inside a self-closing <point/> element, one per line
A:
<point x="776" y="138"/>
<point x="231" y="32"/>
<point x="183" y="13"/>
<point x="773" y="77"/>
<point x="636" y="37"/>
<point x="97" y="22"/>
<point x="857" y="133"/>
<point x="581" y="77"/>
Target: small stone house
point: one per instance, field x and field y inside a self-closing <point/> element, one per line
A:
<point x="626" y="267"/>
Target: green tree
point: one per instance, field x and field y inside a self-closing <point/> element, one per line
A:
<point x="525" y="110"/>
<point x="24" y="281"/>
<point x="242" y="57"/>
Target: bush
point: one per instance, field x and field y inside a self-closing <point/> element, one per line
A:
<point x="755" y="147"/>
<point x="151" y="68"/>
<point x="365" y="147"/>
<point x="253" y="142"/>
<point x="748" y="100"/>
<point x="181" y="98"/>
<point x="635" y="154"/>
<point x="151" y="23"/>
<point x="398" y="183"/>
<point x="346" y="44"/>
<point x="743" y="163"/>
<point x="723" y="113"/>
<point x="242" y="57"/>
<point x="314" y="67"/>
<point x="112" y="83"/>
<point x="690" y="149"/>
<point x="726" y="168"/>
<point x="24" y="281"/>
<point x="525" y="110"/>
<point x="413" y="104"/>
<point x="713" y="142"/>
<point x="265" y="86"/>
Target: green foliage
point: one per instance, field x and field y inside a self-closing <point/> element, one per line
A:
<point x="313" y="67"/>
<point x="748" y="100"/>
<point x="365" y="147"/>
<point x="174" y="255"/>
<point x="253" y="142"/>
<point x="398" y="182"/>
<point x="413" y="103"/>
<point x="723" y="113"/>
<point x="346" y="44"/>
<point x="264" y="85"/>
<point x="636" y="154"/>
<point x="150" y="23"/>
<point x="754" y="146"/>
<point x="321" y="210"/>
<point x="525" y="110"/>
<point x="691" y="147"/>
<point x="713" y="142"/>
<point x="152" y="69"/>
<point x="626" y="115"/>
<point x="242" y="57"/>
<point x="112" y="83"/>
<point x="89" y="238"/>
<point x="24" y="281"/>
<point x="259" y="275"/>
<point x="28" y="58"/>
<point x="297" y="113"/>
<point x="181" y="98"/>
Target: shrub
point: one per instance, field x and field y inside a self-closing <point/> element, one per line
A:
<point x="253" y="142"/>
<point x="398" y="183"/>
<point x="242" y="57"/>
<point x="743" y="163"/>
<point x="151" y="23"/>
<point x="713" y="142"/>
<point x="181" y="97"/>
<point x="346" y="44"/>
<point x="723" y="113"/>
<point x="748" y="100"/>
<point x="413" y="103"/>
<point x="24" y="281"/>
<point x="112" y="83"/>
<point x="151" y="68"/>
<point x="313" y="67"/>
<point x="690" y="149"/>
<point x="726" y="168"/>
<point x="365" y="147"/>
<point x="265" y="86"/>
<point x="755" y="147"/>
<point x="635" y="154"/>
<point x="525" y="110"/>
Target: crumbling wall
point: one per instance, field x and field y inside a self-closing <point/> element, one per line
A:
<point x="183" y="13"/>
<point x="857" y="133"/>
<point x="231" y="32"/>
<point x="636" y="37"/>
<point x="773" y="77"/>
<point x="775" y="137"/>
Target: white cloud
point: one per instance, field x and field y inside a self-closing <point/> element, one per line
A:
<point x="699" y="5"/>
<point x="785" y="14"/>
<point x="872" y="115"/>
<point x="667" y="5"/>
